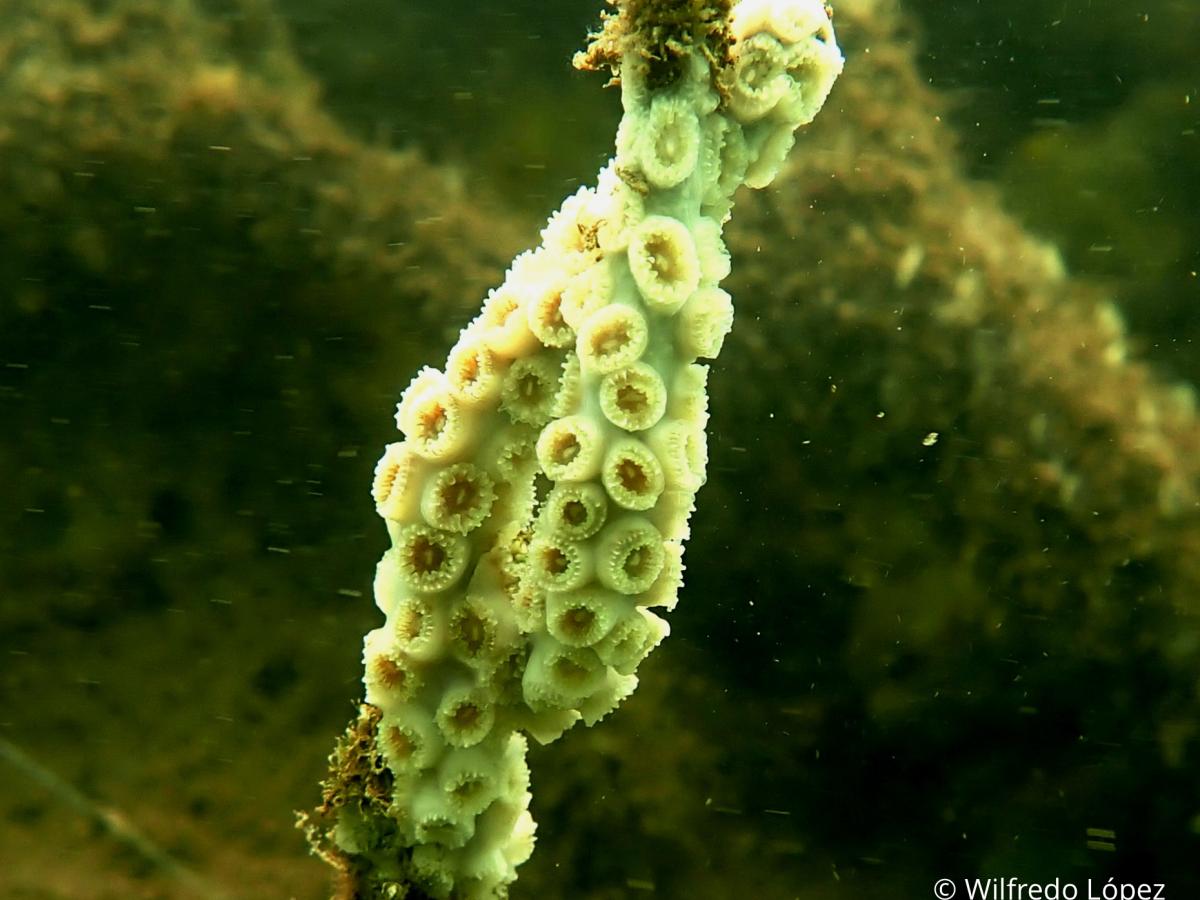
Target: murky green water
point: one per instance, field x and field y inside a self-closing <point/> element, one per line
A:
<point x="940" y="614"/>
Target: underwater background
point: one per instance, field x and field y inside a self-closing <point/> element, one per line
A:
<point x="941" y="608"/>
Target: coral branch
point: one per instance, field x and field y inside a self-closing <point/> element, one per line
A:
<point x="539" y="502"/>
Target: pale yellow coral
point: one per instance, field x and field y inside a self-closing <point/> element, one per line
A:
<point x="631" y="639"/>
<point x="475" y="631"/>
<point x="581" y="617"/>
<point x="668" y="141"/>
<point x="682" y="450"/>
<point x="394" y="486"/>
<point x="473" y="371"/>
<point x="465" y="716"/>
<point x="433" y="421"/>
<point x="704" y="322"/>
<point x="429" y="560"/>
<point x="530" y="390"/>
<point x="758" y="79"/>
<point x="574" y="511"/>
<point x="556" y="564"/>
<point x="458" y="498"/>
<point x="633" y="398"/>
<point x="629" y="556"/>
<point x="557" y="676"/>
<point x="418" y="625"/>
<point x="539" y="502"/>
<point x="664" y="262"/>
<point x="611" y="338"/>
<point x="546" y="319"/>
<point x="391" y="677"/>
<point x="503" y="324"/>
<point x="587" y="292"/>
<point x="632" y="474"/>
<point x="571" y="448"/>
<point x="408" y="739"/>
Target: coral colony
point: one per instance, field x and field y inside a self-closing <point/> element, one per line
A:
<point x="539" y="500"/>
